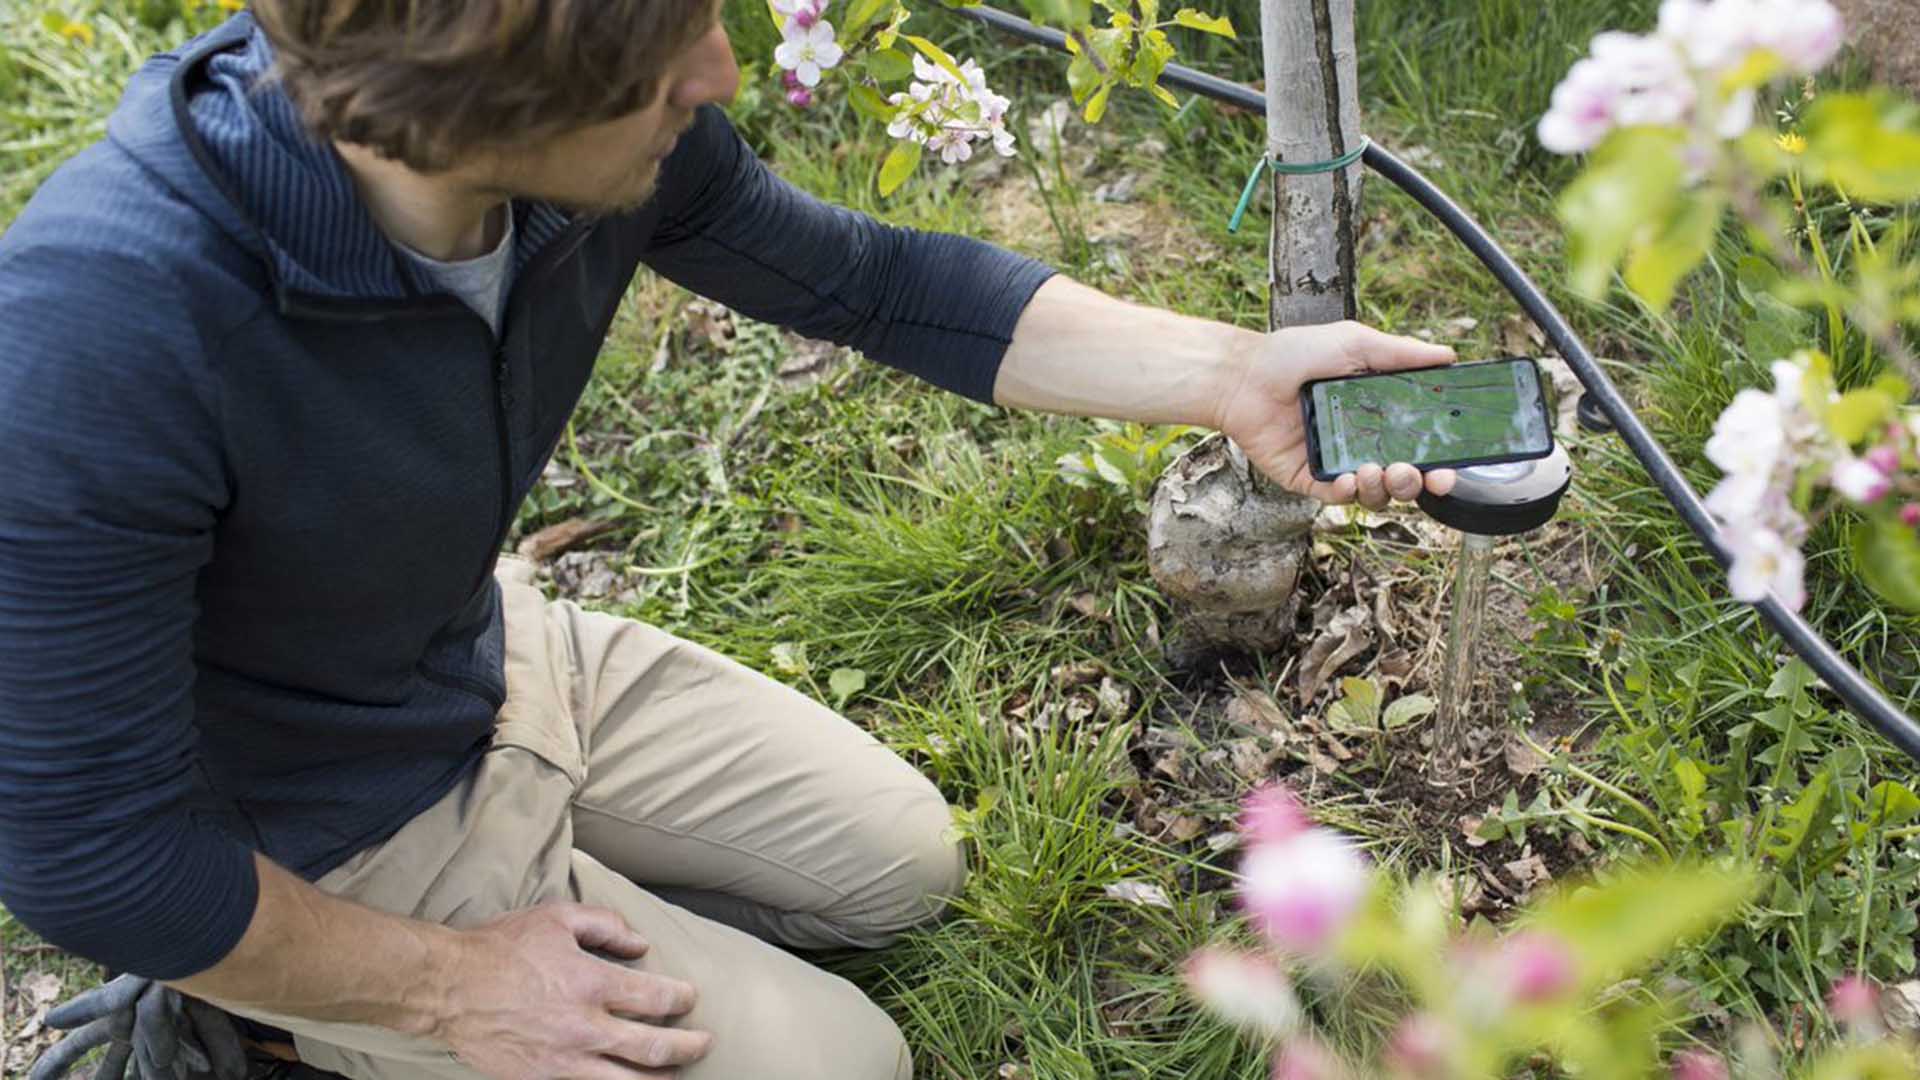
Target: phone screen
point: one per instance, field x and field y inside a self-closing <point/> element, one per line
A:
<point x="1467" y="412"/>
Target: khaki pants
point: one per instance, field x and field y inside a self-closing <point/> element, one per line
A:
<point x="715" y="809"/>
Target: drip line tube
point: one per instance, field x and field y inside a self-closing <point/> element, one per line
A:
<point x="1861" y="697"/>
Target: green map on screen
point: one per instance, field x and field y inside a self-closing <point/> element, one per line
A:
<point x="1432" y="416"/>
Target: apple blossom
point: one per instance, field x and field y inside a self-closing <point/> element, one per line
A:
<point x="800" y="97"/>
<point x="1854" y="1002"/>
<point x="1858" y="480"/>
<point x="1302" y="891"/>
<point x="807" y="50"/>
<point x="949" y="111"/>
<point x="1246" y="990"/>
<point x="1883" y="457"/>
<point x="1763" y="563"/>
<point x="1272" y="815"/>
<point x="1537" y="966"/>
<point x="1749" y="435"/>
<point x="1910" y="515"/>
<point x="1305" y="1059"/>
<point x="1673" y="76"/>
<point x="1418" y="1048"/>
<point x="1806" y="34"/>
<point x="1698" y="1065"/>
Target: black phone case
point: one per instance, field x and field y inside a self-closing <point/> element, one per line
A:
<point x="1313" y="442"/>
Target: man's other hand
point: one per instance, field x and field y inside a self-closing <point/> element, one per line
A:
<point x="533" y="999"/>
<point x="148" y="1030"/>
<point x="1260" y="409"/>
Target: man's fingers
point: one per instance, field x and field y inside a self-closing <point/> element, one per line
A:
<point x="659" y="1047"/>
<point x="220" y="1038"/>
<point x="1376" y="350"/>
<point x="1403" y="481"/>
<point x="603" y="930"/>
<point x="1371" y="487"/>
<point x="57" y="1061"/>
<point x="114" y="1065"/>
<point x="1440" y="481"/>
<point x="98" y="1002"/>
<point x="155" y="1042"/>
<point x="637" y="993"/>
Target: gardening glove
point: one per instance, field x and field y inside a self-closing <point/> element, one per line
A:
<point x="161" y="1033"/>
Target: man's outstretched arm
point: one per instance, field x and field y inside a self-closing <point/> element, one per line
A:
<point x="1076" y="350"/>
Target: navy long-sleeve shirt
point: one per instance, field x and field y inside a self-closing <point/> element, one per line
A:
<point x="255" y="471"/>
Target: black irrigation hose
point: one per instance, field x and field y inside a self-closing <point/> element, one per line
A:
<point x="1866" y="701"/>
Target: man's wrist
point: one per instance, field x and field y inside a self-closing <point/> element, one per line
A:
<point x="430" y="997"/>
<point x="1236" y="354"/>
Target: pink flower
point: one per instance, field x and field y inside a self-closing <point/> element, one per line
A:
<point x="1910" y="515"/>
<point x="1804" y="33"/>
<point x="1418" y="1048"/>
<point x="1854" y="1002"/>
<point x="1651" y="75"/>
<point x="1303" y="891"/>
<point x="1582" y="111"/>
<point x="1272" y="814"/>
<point x="1883" y="457"/>
<point x="1245" y="990"/>
<point x="1698" y="1065"/>
<point x="1859" y="481"/>
<point x="800" y="97"/>
<point x="1537" y="966"/>
<point x="1305" y="1059"/>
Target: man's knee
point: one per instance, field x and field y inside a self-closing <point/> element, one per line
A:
<point x="925" y="867"/>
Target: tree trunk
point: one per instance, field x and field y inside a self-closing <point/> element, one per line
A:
<point x="1223" y="542"/>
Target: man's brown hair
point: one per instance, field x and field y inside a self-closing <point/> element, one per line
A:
<point x="426" y="81"/>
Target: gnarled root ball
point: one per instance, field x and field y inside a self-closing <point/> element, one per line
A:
<point x="1226" y="547"/>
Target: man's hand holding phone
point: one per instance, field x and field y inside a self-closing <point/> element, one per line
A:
<point x="1261" y="409"/>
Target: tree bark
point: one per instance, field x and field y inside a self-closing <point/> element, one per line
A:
<point x="1223" y="542"/>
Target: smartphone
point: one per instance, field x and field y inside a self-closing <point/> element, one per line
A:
<point x="1481" y="413"/>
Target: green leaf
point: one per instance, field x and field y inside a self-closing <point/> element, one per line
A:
<point x="868" y="102"/>
<point x="1860" y="413"/>
<point x="1632" y="183"/>
<point x="1082" y="77"/>
<point x="889" y="65"/>
<point x="1887" y="555"/>
<point x="863" y="12"/>
<point x="900" y="163"/>
<point x="1359" y="706"/>
<point x="1891" y="804"/>
<point x="1405" y="710"/>
<point x="1801" y="823"/>
<point x="1866" y="144"/>
<point x="846" y="682"/>
<point x="1097" y="104"/>
<point x="1661" y="256"/>
<point x="1209" y="24"/>
<point x="1620" y="926"/>
<point x="891" y="32"/>
<point x="1059" y="12"/>
<point x="1692" y="780"/>
<point x="1165" y="96"/>
<point x="1790" y="682"/>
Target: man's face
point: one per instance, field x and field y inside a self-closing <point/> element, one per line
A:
<point x="613" y="166"/>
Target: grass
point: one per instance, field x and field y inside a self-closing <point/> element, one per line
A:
<point x="819" y="517"/>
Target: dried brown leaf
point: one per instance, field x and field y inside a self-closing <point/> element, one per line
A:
<point x="1347" y="635"/>
<point x="1529" y="872"/>
<point x="1522" y="758"/>
<point x="1470" y="829"/>
<point x="556" y="539"/>
<point x="1078" y="673"/>
<point x="1143" y="893"/>
<point x="1259" y="712"/>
